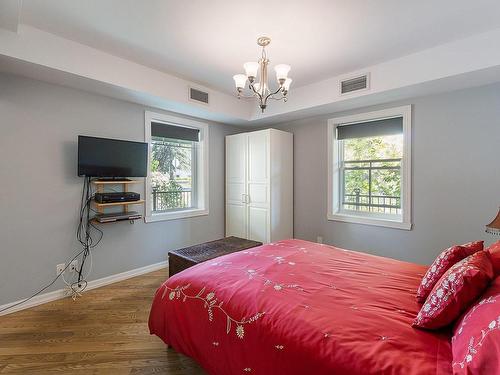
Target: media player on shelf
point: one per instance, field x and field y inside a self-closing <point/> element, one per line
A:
<point x="113" y="179"/>
<point x="115" y="197"/>
<point x="117" y="216"/>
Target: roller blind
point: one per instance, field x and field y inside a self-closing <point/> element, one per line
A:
<point x="159" y="129"/>
<point x="370" y="128"/>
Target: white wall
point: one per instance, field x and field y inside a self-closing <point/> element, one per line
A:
<point x="40" y="191"/>
<point x="456" y="177"/>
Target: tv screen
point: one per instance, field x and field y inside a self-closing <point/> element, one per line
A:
<point x="103" y="157"/>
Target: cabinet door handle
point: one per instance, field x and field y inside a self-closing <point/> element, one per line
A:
<point x="247" y="198"/>
<point x="243" y="198"/>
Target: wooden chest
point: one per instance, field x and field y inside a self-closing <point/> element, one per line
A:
<point x="179" y="260"/>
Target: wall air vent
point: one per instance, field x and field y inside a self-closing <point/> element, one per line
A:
<point x="354" y="84"/>
<point x="198" y="96"/>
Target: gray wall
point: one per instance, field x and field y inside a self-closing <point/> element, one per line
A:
<point x="456" y="182"/>
<point x="40" y="192"/>
<point x="456" y="177"/>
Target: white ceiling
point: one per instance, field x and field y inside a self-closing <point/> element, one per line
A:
<point x="207" y="41"/>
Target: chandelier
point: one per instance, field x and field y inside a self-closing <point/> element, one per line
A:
<point x="261" y="89"/>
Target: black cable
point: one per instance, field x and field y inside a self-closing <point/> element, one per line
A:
<point x="87" y="243"/>
<point x="84" y="237"/>
<point x="85" y="228"/>
<point x="44" y="288"/>
<point x="101" y="234"/>
<point x="78" y="286"/>
<point x="85" y="198"/>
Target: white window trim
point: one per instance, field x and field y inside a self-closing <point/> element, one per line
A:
<point x="202" y="171"/>
<point x="334" y="212"/>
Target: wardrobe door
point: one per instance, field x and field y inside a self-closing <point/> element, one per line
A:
<point x="258" y="186"/>
<point x="236" y="190"/>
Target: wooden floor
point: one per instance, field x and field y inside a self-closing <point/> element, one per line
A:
<point x="104" y="332"/>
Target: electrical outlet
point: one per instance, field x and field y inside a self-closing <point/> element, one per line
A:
<point x="60" y="268"/>
<point x="73" y="266"/>
<point x="319" y="239"/>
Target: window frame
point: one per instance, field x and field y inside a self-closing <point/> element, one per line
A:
<point x="201" y="175"/>
<point x="335" y="212"/>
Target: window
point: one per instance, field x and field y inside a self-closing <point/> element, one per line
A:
<point x="369" y="168"/>
<point x="177" y="182"/>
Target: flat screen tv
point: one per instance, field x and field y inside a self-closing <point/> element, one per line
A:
<point x="111" y="158"/>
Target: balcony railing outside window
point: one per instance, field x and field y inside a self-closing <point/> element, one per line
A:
<point x="371" y="199"/>
<point x="169" y="200"/>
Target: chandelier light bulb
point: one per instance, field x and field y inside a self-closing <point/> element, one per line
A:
<point x="286" y="85"/>
<point x="282" y="72"/>
<point x="251" y="69"/>
<point x="240" y="80"/>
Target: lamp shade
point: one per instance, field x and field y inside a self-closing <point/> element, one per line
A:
<point x="251" y="69"/>
<point x="240" y="80"/>
<point x="286" y="85"/>
<point x="494" y="226"/>
<point x="282" y="71"/>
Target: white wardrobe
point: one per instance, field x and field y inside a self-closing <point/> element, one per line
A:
<point x="259" y="185"/>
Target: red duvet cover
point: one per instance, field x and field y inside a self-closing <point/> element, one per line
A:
<point x="296" y="307"/>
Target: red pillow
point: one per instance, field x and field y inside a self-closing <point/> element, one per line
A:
<point x="494" y="251"/>
<point x="442" y="263"/>
<point x="455" y="291"/>
<point x="476" y="338"/>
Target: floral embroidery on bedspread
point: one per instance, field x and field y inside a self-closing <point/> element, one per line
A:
<point x="491" y="299"/>
<point x="253" y="274"/>
<point x="476" y="343"/>
<point x="211" y="303"/>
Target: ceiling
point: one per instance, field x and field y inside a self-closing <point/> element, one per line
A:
<point x="207" y="41"/>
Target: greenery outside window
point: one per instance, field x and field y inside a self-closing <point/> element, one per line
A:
<point x="173" y="174"/>
<point x="370" y="168"/>
<point x="177" y="182"/>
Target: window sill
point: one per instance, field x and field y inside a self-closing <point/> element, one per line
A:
<point x="176" y="215"/>
<point x="370" y="221"/>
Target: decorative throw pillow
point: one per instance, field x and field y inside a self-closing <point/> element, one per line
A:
<point x="476" y="338"/>
<point x="442" y="263"/>
<point x="463" y="283"/>
<point x="494" y="251"/>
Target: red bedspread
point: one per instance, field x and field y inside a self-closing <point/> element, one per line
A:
<point x="296" y="307"/>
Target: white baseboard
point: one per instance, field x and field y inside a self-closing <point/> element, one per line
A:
<point x="60" y="293"/>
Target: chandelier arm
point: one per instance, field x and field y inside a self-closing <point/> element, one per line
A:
<point x="246" y="96"/>
<point x="255" y="91"/>
<point x="271" y="95"/>
<point x="280" y="98"/>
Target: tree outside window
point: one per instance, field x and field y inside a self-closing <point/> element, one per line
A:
<point x="372" y="174"/>
<point x="172" y="171"/>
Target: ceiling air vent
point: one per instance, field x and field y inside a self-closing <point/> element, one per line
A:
<point x="198" y="96"/>
<point x="354" y="84"/>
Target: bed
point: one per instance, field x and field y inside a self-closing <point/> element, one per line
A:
<point x="297" y="307"/>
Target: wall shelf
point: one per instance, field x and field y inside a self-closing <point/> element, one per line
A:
<point x="95" y="221"/>
<point x="116" y="182"/>
<point x="103" y="205"/>
<point x="100" y="207"/>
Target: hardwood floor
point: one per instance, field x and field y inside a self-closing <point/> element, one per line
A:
<point x="103" y="332"/>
